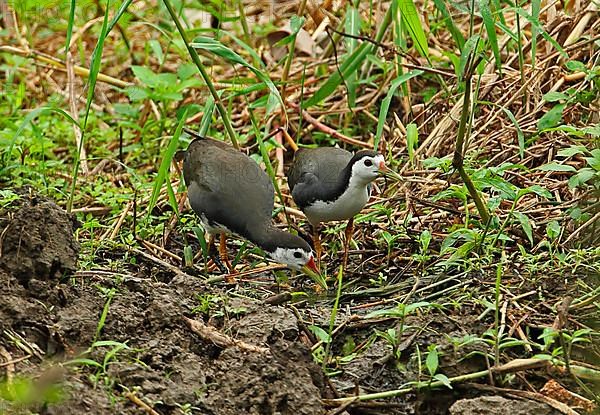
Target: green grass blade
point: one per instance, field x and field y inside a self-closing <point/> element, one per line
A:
<point x="535" y="25"/>
<point x="163" y="170"/>
<point x="412" y="24"/>
<point x="219" y="49"/>
<point x="535" y="15"/>
<point x="92" y="78"/>
<point x="457" y="35"/>
<point x="352" y="27"/>
<point x="490" y="28"/>
<point x="385" y="104"/>
<point x="471" y="46"/>
<point x="206" y="121"/>
<point x="412" y="140"/>
<point x="70" y="25"/>
<point x="347" y="68"/>
<point x="117" y="16"/>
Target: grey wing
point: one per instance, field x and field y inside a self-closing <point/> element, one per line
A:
<point x="325" y="163"/>
<point x="227" y="186"/>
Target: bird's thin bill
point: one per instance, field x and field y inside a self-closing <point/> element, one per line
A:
<point x="312" y="271"/>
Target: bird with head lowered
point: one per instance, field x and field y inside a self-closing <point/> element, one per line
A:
<point x="231" y="194"/>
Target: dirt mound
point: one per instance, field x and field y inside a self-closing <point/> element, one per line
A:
<point x="143" y="345"/>
<point x="38" y="241"/>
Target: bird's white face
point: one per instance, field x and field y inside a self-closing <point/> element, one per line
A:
<point x="295" y="258"/>
<point x="369" y="167"/>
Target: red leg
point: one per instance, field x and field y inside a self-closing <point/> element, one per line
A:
<point x="225" y="259"/>
<point x="348" y="233"/>
<point x="317" y="244"/>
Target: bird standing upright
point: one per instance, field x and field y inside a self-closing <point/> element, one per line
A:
<point x="232" y="194"/>
<point x="332" y="184"/>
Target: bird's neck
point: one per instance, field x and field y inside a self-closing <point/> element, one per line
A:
<point x="264" y="236"/>
<point x="348" y="180"/>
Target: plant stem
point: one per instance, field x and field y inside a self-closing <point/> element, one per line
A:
<point x="205" y="76"/>
<point x="458" y="159"/>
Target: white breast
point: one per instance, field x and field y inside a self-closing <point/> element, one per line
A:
<point x="344" y="207"/>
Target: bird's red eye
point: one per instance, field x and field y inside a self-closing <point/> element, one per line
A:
<point x="368" y="163"/>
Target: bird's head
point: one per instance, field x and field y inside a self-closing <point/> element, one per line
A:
<point x="368" y="165"/>
<point x="295" y="252"/>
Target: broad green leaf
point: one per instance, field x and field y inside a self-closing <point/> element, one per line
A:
<point x="321" y="334"/>
<point x="582" y="177"/>
<point x="444" y="379"/>
<point x="526" y="225"/>
<point x="571" y="151"/>
<point x="552" y="118"/>
<point x="157" y="50"/>
<point x="553" y="229"/>
<point x="385" y="104"/>
<point x="432" y="361"/>
<point x="576" y="66"/>
<point x="557" y="167"/>
<point x="145" y="75"/>
<point x="554" y="96"/>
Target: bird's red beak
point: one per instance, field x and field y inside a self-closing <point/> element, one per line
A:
<point x="312" y="266"/>
<point x="382" y="167"/>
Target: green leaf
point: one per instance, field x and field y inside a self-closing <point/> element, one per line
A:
<point x="412" y="24"/>
<point x="157" y="50"/>
<point x="576" y="66"/>
<point x="557" y="167"/>
<point x="470" y="47"/>
<point x="352" y="27"/>
<point x="572" y="151"/>
<point x="444" y="379"/>
<point x="432" y="361"/>
<point x="163" y="170"/>
<point x="490" y="28"/>
<point x="412" y="140"/>
<point x="552" y="118"/>
<point x="457" y="35"/>
<point x="385" y="104"/>
<point x="554" y="96"/>
<point x="145" y="75"/>
<point x="526" y="225"/>
<point x="582" y="177"/>
<point x="520" y="135"/>
<point x="349" y="66"/>
<point x="186" y="71"/>
<point x="553" y="229"/>
<point x="216" y="47"/>
<point x="321" y="334"/>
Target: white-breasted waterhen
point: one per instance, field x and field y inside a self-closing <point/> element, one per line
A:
<point x="232" y="194"/>
<point x="332" y="184"/>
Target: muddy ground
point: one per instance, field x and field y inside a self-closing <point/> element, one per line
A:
<point x="88" y="340"/>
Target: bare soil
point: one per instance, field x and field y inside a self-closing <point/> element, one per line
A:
<point x="52" y="314"/>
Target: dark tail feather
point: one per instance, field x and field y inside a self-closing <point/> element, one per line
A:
<point x="193" y="133"/>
